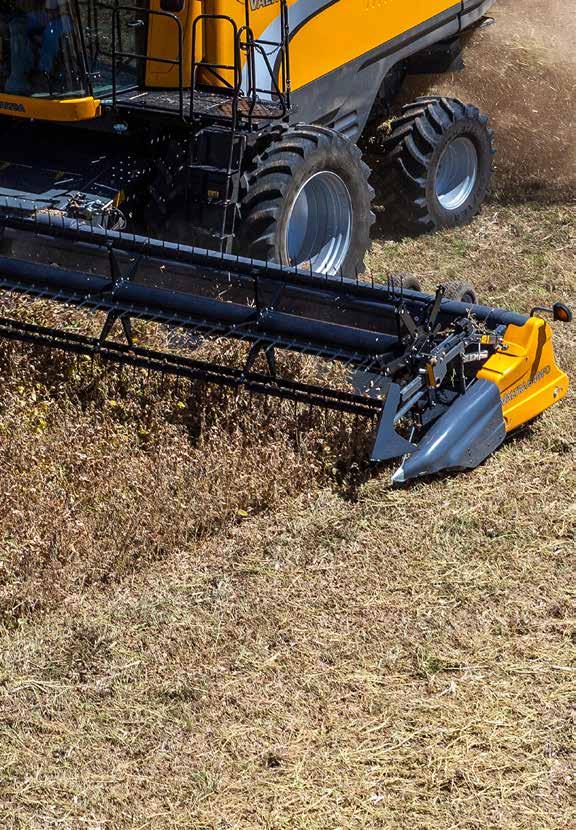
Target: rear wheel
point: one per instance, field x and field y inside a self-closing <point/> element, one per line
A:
<point x="437" y="166"/>
<point x="306" y="201"/>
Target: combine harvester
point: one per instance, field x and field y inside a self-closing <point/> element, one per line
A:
<point x="206" y="152"/>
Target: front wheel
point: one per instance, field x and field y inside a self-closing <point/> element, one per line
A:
<point x="462" y="292"/>
<point x="306" y="202"/>
<point x="437" y="165"/>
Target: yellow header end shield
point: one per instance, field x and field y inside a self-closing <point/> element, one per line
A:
<point x="526" y="373"/>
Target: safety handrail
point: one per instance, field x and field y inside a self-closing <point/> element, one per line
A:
<point x="215" y="68"/>
<point x="252" y="45"/>
<point x="116" y="8"/>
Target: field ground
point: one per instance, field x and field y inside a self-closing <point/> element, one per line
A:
<point x="403" y="658"/>
<point x="212" y="624"/>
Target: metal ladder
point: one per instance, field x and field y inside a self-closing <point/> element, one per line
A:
<point x="216" y="152"/>
<point x="213" y="183"/>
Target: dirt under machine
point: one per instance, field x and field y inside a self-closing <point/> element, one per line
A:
<point x="202" y="160"/>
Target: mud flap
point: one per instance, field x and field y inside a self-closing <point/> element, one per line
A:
<point x="462" y="438"/>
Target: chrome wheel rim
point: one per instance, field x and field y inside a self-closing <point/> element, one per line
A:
<point x="457" y="173"/>
<point x="319" y="224"/>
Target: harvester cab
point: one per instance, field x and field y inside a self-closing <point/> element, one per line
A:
<point x="235" y="123"/>
<point x="201" y="160"/>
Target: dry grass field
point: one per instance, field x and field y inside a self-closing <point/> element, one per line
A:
<point x="214" y="618"/>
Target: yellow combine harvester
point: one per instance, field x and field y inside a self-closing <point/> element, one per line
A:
<point x="146" y="134"/>
<point x="234" y="123"/>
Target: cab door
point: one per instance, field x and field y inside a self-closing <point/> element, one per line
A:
<point x="97" y="23"/>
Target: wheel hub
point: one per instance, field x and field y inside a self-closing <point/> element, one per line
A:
<point x="457" y="173"/>
<point x="319" y="225"/>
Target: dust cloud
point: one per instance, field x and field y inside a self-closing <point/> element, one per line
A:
<point x="522" y="72"/>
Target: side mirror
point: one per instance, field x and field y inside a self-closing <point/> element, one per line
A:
<point x="562" y="313"/>
<point x="173" y="6"/>
<point x="559" y="312"/>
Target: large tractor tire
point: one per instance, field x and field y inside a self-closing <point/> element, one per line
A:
<point x="437" y="166"/>
<point x="306" y="201"/>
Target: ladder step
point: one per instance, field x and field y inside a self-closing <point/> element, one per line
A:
<point x="218" y="219"/>
<point x="215" y="203"/>
<point x="216" y="148"/>
<point x="212" y="168"/>
<point x="212" y="185"/>
<point x="201" y="231"/>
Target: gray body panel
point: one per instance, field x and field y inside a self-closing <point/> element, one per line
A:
<point x="474" y="10"/>
<point x="389" y="444"/>
<point x="471" y="429"/>
<point x="343" y="99"/>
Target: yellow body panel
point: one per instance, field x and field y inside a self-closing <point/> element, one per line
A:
<point x="338" y="34"/>
<point x="526" y="373"/>
<point x="50" y="109"/>
<point x="351" y="28"/>
<point x="162" y="43"/>
<point x="218" y="34"/>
